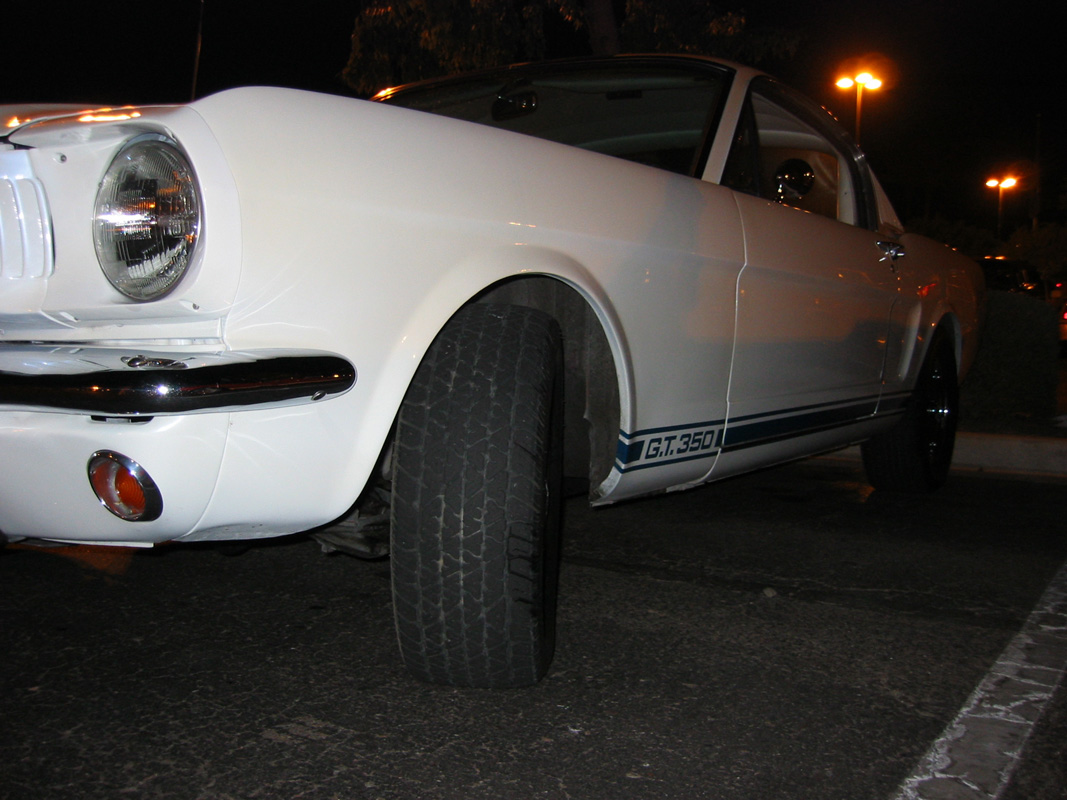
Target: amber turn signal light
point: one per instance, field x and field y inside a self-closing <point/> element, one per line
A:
<point x="124" y="488"/>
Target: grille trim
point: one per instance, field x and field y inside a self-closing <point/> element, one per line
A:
<point x="25" y="226"/>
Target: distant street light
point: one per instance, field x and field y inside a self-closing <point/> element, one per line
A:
<point x="1000" y="184"/>
<point x="864" y="80"/>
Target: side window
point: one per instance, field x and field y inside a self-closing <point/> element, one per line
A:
<point x="785" y="153"/>
<point x="654" y="115"/>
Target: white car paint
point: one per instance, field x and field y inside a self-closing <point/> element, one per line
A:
<point x="358" y="229"/>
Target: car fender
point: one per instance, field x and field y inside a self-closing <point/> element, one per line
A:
<point x="373" y="265"/>
<point x="947" y="288"/>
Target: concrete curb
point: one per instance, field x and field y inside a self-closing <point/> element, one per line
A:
<point x="1035" y="456"/>
<point x="1032" y="455"/>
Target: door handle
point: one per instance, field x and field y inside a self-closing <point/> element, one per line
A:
<point x="891" y="251"/>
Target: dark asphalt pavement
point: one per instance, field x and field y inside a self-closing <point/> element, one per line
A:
<point x="789" y="634"/>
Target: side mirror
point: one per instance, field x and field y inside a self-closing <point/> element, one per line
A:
<point x="793" y="179"/>
<point x="516" y="103"/>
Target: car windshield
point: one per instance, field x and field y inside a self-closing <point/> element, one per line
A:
<point x="652" y="115"/>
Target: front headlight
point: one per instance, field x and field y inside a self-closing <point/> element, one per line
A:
<point x="147" y="218"/>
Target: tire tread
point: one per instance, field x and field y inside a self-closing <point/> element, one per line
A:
<point x="469" y="510"/>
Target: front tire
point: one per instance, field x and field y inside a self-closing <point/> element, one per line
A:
<point x="476" y="492"/>
<point x="916" y="454"/>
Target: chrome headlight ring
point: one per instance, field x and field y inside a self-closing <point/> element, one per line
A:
<point x="147" y="218"/>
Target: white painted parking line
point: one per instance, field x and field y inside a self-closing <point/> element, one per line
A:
<point x="980" y="749"/>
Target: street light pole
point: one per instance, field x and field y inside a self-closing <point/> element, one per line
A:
<point x="199" y="44"/>
<point x="1000" y="184"/>
<point x="864" y="80"/>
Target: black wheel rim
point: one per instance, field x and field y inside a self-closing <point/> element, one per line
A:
<point x="937" y="418"/>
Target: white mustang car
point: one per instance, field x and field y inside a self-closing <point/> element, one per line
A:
<point x="270" y="310"/>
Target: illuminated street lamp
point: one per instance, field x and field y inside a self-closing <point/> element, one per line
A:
<point x="1000" y="184"/>
<point x="864" y="80"/>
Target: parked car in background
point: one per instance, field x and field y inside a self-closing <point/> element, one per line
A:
<point x="1019" y="277"/>
<point x="269" y="310"/>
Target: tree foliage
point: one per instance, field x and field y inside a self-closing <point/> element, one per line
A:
<point x="682" y="26"/>
<point x="397" y="41"/>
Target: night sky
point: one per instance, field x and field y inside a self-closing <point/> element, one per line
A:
<point x="970" y="84"/>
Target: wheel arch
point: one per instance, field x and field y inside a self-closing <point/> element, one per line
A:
<point x="949" y="325"/>
<point x="922" y="328"/>
<point x="596" y="378"/>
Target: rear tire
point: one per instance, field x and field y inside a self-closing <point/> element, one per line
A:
<point x="916" y="454"/>
<point x="476" y="492"/>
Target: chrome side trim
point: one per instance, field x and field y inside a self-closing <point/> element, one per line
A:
<point x="108" y="382"/>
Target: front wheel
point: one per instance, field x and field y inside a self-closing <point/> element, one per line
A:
<point x="915" y="455"/>
<point x="476" y="492"/>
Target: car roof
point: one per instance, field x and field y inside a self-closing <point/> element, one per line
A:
<point x="515" y="71"/>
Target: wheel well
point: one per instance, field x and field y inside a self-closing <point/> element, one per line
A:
<point x="591" y="385"/>
<point x="951" y="327"/>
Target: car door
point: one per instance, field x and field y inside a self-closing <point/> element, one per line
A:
<point x="815" y="296"/>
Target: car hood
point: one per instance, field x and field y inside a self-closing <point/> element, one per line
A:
<point x="13" y="117"/>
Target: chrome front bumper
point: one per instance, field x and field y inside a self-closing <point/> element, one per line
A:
<point x="113" y="382"/>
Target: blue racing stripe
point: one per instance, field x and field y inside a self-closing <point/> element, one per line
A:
<point x="671" y="444"/>
<point x="757" y="429"/>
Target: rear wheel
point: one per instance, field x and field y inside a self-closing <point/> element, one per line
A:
<point x="475" y="512"/>
<point x="915" y="455"/>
